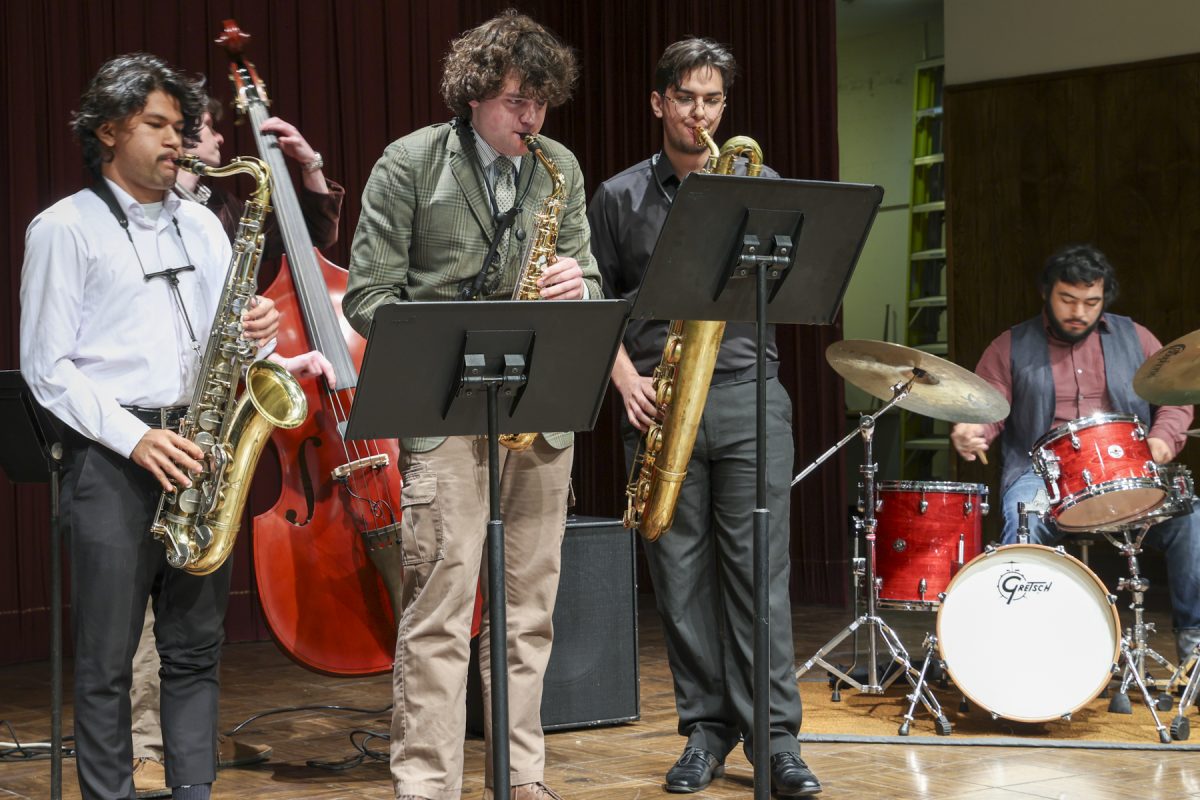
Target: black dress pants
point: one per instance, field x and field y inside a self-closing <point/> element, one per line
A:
<point x="109" y="503"/>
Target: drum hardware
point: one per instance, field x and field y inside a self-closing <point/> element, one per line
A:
<point x="1180" y="728"/>
<point x="925" y="384"/>
<point x="876" y="628"/>
<point x="1135" y="646"/>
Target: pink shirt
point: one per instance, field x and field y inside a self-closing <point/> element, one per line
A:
<point x="1080" y="385"/>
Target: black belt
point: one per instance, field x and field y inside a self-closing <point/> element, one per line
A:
<point x="168" y="417"/>
<point x="744" y="374"/>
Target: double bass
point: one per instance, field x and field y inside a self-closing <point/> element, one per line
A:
<point x="327" y="558"/>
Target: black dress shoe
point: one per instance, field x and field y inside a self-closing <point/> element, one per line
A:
<point x="694" y="770"/>
<point x="791" y="777"/>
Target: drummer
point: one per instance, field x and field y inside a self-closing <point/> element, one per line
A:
<point x="1087" y="357"/>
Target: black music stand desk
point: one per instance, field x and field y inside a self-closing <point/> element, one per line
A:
<point x="767" y="250"/>
<point x="471" y="368"/>
<point x="32" y="453"/>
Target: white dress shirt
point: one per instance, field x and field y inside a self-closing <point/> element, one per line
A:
<point x="94" y="334"/>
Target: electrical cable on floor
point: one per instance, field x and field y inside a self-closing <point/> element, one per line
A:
<point x="15" y="750"/>
<point x="364" y="751"/>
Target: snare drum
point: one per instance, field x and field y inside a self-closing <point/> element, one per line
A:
<point x="924" y="532"/>
<point x="1028" y="633"/>
<point x="1098" y="471"/>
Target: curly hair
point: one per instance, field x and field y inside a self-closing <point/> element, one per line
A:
<point x="481" y="59"/>
<point x="120" y="89"/>
<point x="688" y="54"/>
<point x="1082" y="265"/>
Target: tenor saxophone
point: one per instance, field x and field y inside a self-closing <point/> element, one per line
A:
<point x="198" y="525"/>
<point x="542" y="253"/>
<point x="681" y="382"/>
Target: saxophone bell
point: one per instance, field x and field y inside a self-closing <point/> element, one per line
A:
<point x="199" y="525"/>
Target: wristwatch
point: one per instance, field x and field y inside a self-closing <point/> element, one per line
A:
<point x="314" y="165"/>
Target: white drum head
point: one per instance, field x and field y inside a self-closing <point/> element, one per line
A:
<point x="1028" y="633"/>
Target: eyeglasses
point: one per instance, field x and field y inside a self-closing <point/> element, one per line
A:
<point x="685" y="105"/>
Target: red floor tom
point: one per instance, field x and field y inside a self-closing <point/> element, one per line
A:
<point x="925" y="531"/>
<point x="1098" y="472"/>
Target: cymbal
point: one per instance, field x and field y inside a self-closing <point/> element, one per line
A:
<point x="942" y="389"/>
<point x="1171" y="377"/>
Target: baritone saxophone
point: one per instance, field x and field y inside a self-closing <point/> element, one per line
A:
<point x="199" y="524"/>
<point x="681" y="383"/>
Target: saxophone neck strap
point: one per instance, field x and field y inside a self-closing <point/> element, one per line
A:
<point x="470" y="290"/>
<point x="169" y="274"/>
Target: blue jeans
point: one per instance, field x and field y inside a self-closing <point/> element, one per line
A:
<point x="1177" y="539"/>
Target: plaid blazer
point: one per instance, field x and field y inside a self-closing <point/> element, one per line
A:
<point x="426" y="223"/>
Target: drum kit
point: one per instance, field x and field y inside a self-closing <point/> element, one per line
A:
<point x="997" y="605"/>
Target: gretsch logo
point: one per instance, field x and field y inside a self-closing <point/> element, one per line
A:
<point x="1013" y="585"/>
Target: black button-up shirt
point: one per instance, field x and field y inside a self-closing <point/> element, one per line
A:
<point x="626" y="214"/>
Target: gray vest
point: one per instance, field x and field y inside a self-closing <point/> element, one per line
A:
<point x="1033" y="395"/>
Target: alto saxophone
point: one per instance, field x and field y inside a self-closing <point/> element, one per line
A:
<point x="681" y="382"/>
<point x="542" y="254"/>
<point x="199" y="524"/>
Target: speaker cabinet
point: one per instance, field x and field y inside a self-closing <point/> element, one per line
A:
<point x="592" y="677"/>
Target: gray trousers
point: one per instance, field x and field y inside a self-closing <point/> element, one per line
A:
<point x="703" y="578"/>
<point x="115" y="567"/>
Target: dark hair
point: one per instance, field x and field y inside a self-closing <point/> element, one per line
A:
<point x="1081" y="264"/>
<point x="481" y="59"/>
<point x="214" y="108"/>
<point x="688" y="54"/>
<point x="120" y="89"/>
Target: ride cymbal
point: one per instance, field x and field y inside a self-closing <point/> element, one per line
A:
<point x="1171" y="377"/>
<point x="941" y="389"/>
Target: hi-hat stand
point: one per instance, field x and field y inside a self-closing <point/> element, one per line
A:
<point x="876" y="628"/>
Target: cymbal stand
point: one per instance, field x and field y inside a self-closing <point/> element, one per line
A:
<point x="874" y="625"/>
<point x="1180" y="728"/>
<point x="1135" y="646"/>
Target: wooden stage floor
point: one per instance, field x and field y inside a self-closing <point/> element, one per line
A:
<point x="626" y="761"/>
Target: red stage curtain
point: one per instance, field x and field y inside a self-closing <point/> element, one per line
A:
<point x="354" y="76"/>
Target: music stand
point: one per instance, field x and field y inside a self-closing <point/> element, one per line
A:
<point x="441" y="369"/>
<point x="767" y="250"/>
<point x="33" y="454"/>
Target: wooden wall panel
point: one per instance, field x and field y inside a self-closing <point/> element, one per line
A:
<point x="1109" y="156"/>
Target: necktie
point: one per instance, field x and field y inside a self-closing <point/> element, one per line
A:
<point x="506" y="195"/>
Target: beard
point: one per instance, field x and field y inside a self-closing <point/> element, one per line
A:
<point x="1062" y="334"/>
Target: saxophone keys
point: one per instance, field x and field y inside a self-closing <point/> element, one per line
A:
<point x="189" y="500"/>
<point x="204" y="536"/>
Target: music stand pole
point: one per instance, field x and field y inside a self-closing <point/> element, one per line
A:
<point x="56" y="682"/>
<point x="32" y="453"/>
<point x="497" y="604"/>
<point x="761" y="556"/>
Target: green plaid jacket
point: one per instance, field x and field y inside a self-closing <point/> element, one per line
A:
<point x="426" y="223"/>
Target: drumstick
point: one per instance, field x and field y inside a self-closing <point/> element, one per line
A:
<point x="982" y="456"/>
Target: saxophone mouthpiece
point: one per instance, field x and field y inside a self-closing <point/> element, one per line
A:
<point x="531" y="141"/>
<point x="192" y="165"/>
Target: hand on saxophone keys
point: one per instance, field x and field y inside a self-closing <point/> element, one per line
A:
<point x="168" y="457"/>
<point x="562" y="280"/>
<point x="261" y="321"/>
